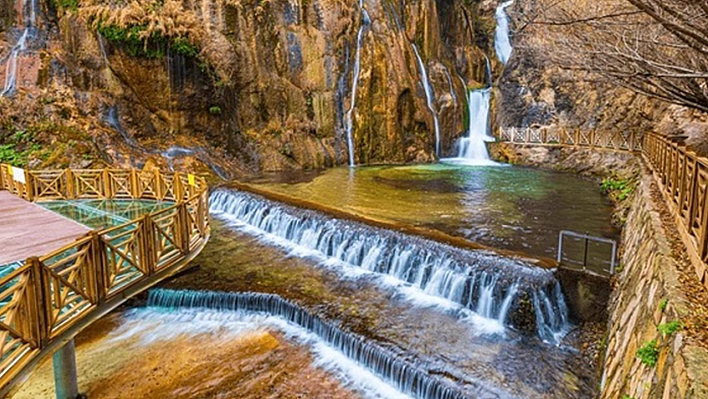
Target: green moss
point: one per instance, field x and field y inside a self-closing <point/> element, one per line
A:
<point x="618" y="188"/>
<point x="71" y="5"/>
<point x="649" y="353"/>
<point x="663" y="303"/>
<point x="182" y="46"/>
<point x="153" y="46"/>
<point x="670" y="327"/>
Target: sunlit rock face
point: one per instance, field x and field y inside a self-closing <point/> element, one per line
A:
<point x="271" y="80"/>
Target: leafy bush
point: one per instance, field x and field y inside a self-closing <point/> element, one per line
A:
<point x="663" y="303"/>
<point x="182" y="46"/>
<point x="72" y="5"/>
<point x="9" y="155"/>
<point x="649" y="353"/>
<point x="152" y="46"/>
<point x="670" y="327"/>
<point x="215" y="110"/>
<point x="618" y="188"/>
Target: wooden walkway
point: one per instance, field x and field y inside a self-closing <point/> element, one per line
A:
<point x="30" y="230"/>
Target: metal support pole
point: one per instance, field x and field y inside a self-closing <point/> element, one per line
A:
<point x="585" y="255"/>
<point x="64" y="360"/>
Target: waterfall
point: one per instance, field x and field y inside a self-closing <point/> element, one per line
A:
<point x="348" y="116"/>
<point x="452" y="88"/>
<point x="472" y="149"/>
<point x="11" y="67"/>
<point x="404" y="375"/>
<point x="488" y="71"/>
<point x="30" y="18"/>
<point x="502" y="44"/>
<point x="479" y="281"/>
<point x="429" y="98"/>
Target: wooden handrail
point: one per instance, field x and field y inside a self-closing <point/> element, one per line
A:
<point x="617" y="141"/>
<point x="682" y="177"/>
<point x="53" y="297"/>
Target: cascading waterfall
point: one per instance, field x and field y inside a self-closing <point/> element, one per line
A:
<point x="11" y="68"/>
<point x="405" y="375"/>
<point x="502" y="43"/>
<point x="452" y="88"/>
<point x="472" y="149"/>
<point x="19" y="47"/>
<point x="348" y="116"/>
<point x="429" y="98"/>
<point x="482" y="282"/>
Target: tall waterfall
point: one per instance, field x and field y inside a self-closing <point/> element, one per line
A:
<point x="30" y="17"/>
<point x="490" y="285"/>
<point x="472" y="149"/>
<point x="429" y="98"/>
<point x="404" y="374"/>
<point x="502" y="43"/>
<point x="348" y="116"/>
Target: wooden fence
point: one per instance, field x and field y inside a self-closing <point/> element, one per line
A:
<point x="617" y="141"/>
<point x="51" y="298"/>
<point x="683" y="178"/>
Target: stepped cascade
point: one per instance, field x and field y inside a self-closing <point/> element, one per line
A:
<point x="491" y="286"/>
<point x="403" y="374"/>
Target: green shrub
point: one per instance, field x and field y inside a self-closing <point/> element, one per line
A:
<point x="154" y="46"/>
<point x="670" y="327"/>
<point x="72" y="5"/>
<point x="215" y="110"/>
<point x="9" y="155"/>
<point x="663" y="303"/>
<point x="618" y="188"/>
<point x="182" y="46"/>
<point x="649" y="353"/>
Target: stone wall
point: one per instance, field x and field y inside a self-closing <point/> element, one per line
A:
<point x="582" y="160"/>
<point x="648" y="294"/>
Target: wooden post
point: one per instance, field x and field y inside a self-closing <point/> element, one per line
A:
<point x="70" y="193"/>
<point x="40" y="290"/>
<point x="106" y="177"/>
<point x="184" y="229"/>
<point x="158" y="185"/>
<point x="134" y="191"/>
<point x="177" y="187"/>
<point x="29" y="185"/>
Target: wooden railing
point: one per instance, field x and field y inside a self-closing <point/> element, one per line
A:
<point x="683" y="178"/>
<point x="618" y="141"/>
<point x="52" y="297"/>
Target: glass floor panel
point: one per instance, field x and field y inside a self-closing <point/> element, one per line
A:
<point x="103" y="214"/>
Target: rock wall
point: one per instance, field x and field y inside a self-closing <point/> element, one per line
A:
<point x="271" y="81"/>
<point x="584" y="161"/>
<point x="648" y="294"/>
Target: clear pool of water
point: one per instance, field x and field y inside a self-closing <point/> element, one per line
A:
<point x="504" y="207"/>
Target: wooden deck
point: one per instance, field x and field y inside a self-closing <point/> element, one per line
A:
<point x="27" y="229"/>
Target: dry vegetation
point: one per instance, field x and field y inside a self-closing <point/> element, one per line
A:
<point x="658" y="48"/>
<point x="168" y="18"/>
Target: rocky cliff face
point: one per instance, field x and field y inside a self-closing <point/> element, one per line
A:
<point x="251" y="84"/>
<point x="537" y="88"/>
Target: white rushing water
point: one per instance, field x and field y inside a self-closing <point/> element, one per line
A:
<point x="426" y="272"/>
<point x="361" y="364"/>
<point x="11" y="67"/>
<point x="348" y="116"/>
<point x="429" y="98"/>
<point x="502" y="43"/>
<point x="153" y="324"/>
<point x="472" y="149"/>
